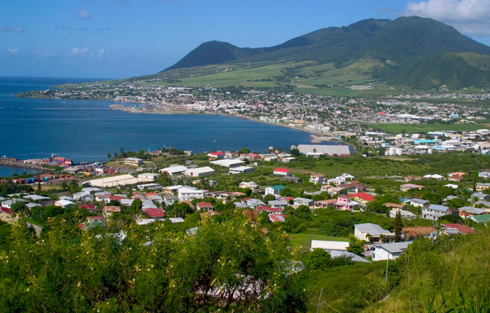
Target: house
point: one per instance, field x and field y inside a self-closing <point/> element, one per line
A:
<point x="254" y="203"/>
<point x="199" y="171"/>
<point x="133" y="161"/>
<point x="190" y="193"/>
<point x="63" y="203"/>
<point x="419" y="203"/>
<point x="482" y="186"/>
<point x="83" y="197"/>
<point x="268" y="210"/>
<point x="147" y="177"/>
<point x="329" y="245"/>
<point x="344" y="203"/>
<point x="481" y="219"/>
<point x="479" y="196"/>
<point x="204" y="206"/>
<point x="333" y="191"/>
<point x="291" y="179"/>
<point x="250" y="185"/>
<point x="216" y="155"/>
<point x="324" y="203"/>
<point x="361" y="197"/>
<point x="303" y="201"/>
<point x="209" y="214"/>
<point x="274" y="190"/>
<point x="468" y="211"/>
<point x="372" y="233"/>
<point x="389" y="251"/>
<point x="411" y="233"/>
<point x="174" y="170"/>
<point x="317" y="178"/>
<point x="241" y="169"/>
<point x="407" y="187"/>
<point x="394" y="206"/>
<point x="229" y="163"/>
<point x="404" y="214"/>
<point x="88" y="207"/>
<point x="156" y="214"/>
<point x="277" y="218"/>
<point x="108" y="211"/>
<point x="452" y="229"/>
<point x="434" y="211"/>
<point x="278" y="203"/>
<point x="282" y="171"/>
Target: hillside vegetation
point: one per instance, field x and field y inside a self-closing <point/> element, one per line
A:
<point x="455" y="70"/>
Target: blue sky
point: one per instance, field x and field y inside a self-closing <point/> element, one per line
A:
<point x="124" y="38"/>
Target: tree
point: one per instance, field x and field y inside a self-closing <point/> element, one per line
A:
<point x="269" y="197"/>
<point x="108" y="155"/>
<point x="317" y="259"/>
<point x="244" y="151"/>
<point x="398" y="225"/>
<point x="355" y="246"/>
<point x="295" y="152"/>
<point x="136" y="206"/>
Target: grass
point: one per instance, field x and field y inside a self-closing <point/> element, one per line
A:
<point x="304" y="240"/>
<point x="413" y="128"/>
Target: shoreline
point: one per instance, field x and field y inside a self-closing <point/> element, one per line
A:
<point x="40" y="168"/>
<point x="174" y="112"/>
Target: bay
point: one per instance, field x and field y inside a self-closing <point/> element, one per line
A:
<point x="85" y="135"/>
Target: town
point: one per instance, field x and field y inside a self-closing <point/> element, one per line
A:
<point x="270" y="187"/>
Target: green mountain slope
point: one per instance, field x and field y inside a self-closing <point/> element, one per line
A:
<point x="455" y="70"/>
<point x="401" y="41"/>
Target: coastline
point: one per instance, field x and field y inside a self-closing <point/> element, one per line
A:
<point x="8" y="163"/>
<point x="117" y="107"/>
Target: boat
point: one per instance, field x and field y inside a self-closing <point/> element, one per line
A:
<point x="21" y="109"/>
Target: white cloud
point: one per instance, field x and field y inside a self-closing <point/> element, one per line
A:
<point x="7" y="29"/>
<point x="78" y="51"/>
<point x="84" y="15"/>
<point x="14" y="51"/>
<point x="43" y="55"/>
<point x="471" y="17"/>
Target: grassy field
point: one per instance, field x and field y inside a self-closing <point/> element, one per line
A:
<point x="413" y="128"/>
<point x="304" y="240"/>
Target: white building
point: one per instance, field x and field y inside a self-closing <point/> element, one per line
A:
<point x="133" y="161"/>
<point x="228" y="162"/>
<point x="241" y="169"/>
<point x="173" y="170"/>
<point x="199" y="171"/>
<point x="190" y="193"/>
<point x="389" y="250"/>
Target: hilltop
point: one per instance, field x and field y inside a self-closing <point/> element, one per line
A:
<point x="328" y="61"/>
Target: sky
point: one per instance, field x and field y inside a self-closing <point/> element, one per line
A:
<point x="127" y="38"/>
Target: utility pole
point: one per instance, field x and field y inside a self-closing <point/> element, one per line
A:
<point x="319" y="299"/>
<point x="386" y="278"/>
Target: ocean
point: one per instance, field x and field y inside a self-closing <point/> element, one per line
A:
<point x="26" y="132"/>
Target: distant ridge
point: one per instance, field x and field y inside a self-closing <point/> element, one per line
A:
<point x="401" y="41"/>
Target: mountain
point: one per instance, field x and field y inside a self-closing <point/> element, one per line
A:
<point x="455" y="70"/>
<point x="401" y="41"/>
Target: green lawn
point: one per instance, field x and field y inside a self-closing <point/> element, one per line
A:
<point x="304" y="240"/>
<point x="412" y="128"/>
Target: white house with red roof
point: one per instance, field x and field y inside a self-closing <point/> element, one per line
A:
<point x="204" y="206"/>
<point x="269" y="210"/>
<point x="217" y="155"/>
<point x="277" y="218"/>
<point x="282" y="171"/>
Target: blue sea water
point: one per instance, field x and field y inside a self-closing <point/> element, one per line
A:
<point x="29" y="133"/>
